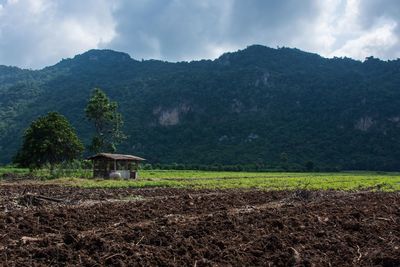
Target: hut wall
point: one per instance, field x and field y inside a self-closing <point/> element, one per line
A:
<point x="103" y="167"/>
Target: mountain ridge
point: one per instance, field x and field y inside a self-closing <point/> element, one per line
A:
<point x="253" y="106"/>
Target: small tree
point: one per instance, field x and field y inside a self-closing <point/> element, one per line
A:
<point x="49" y="140"/>
<point x="107" y="122"/>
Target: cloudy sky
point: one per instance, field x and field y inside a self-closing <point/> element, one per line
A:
<point x="37" y="33"/>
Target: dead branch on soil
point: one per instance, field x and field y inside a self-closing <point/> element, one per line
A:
<point x="296" y="255"/>
<point x="107" y="257"/>
<point x="139" y="241"/>
<point x="359" y="253"/>
<point x="33" y="199"/>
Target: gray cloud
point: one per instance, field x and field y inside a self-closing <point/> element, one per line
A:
<point x="173" y="30"/>
<point x="184" y="30"/>
<point x="271" y="20"/>
<point x="35" y="33"/>
<point x="372" y="10"/>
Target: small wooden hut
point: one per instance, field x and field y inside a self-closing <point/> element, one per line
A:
<point x="107" y="165"/>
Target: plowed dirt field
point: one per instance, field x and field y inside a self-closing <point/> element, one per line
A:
<point x="65" y="226"/>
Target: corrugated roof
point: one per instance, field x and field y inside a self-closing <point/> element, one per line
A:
<point x="116" y="157"/>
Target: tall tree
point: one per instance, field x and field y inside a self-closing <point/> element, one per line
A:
<point x="49" y="140"/>
<point x="107" y="122"/>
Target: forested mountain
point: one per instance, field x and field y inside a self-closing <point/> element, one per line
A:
<point x="261" y="106"/>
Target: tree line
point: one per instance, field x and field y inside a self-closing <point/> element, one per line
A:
<point x="51" y="139"/>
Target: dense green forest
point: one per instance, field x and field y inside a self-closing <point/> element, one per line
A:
<point x="260" y="106"/>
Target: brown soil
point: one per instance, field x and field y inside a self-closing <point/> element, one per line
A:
<point x="61" y="226"/>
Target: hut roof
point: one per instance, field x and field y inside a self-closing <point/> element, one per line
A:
<point x="115" y="157"/>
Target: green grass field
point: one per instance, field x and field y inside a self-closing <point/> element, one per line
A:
<point x="224" y="180"/>
<point x="4" y="170"/>
<point x="261" y="180"/>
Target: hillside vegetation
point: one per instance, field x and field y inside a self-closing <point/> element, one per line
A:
<point x="260" y="106"/>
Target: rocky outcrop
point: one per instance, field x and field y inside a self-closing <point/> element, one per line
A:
<point x="364" y="123"/>
<point x="170" y="116"/>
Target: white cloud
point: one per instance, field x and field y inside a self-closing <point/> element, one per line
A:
<point x="374" y="42"/>
<point x="35" y="33"/>
<point x="341" y="30"/>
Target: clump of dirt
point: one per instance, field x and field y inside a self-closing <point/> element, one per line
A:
<point x="174" y="227"/>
